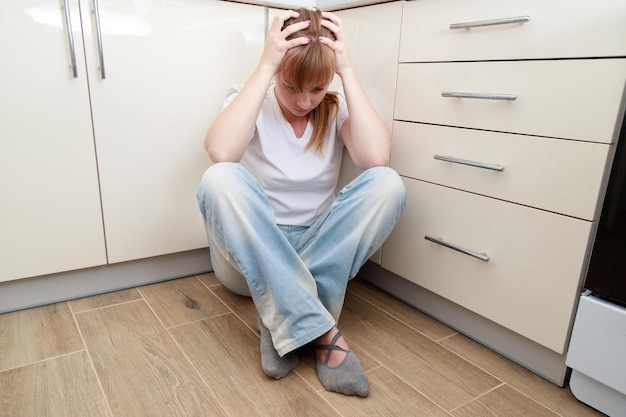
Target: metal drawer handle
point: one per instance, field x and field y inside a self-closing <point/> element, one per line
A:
<point x="492" y="22"/>
<point x="440" y="241"/>
<point x="483" y="165"/>
<point x="481" y="96"/>
<point x="96" y="17"/>
<point x="70" y="38"/>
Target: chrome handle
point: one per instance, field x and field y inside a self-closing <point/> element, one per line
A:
<point x="481" y="96"/>
<point x="70" y="37"/>
<point x="491" y="22"/>
<point x="440" y="241"/>
<point x="483" y="165"/>
<point x="96" y="17"/>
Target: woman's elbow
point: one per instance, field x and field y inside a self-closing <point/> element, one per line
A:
<point x="379" y="162"/>
<point x="216" y="152"/>
<point x="374" y="161"/>
<point x="219" y="155"/>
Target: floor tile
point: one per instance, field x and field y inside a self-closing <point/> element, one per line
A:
<point x="559" y="400"/>
<point x="209" y="279"/>
<point x="437" y="373"/>
<point x="182" y="301"/>
<point x="104" y="300"/>
<point x="243" y="307"/>
<point x="389" y="396"/>
<point x="60" y="387"/>
<point x="226" y="353"/>
<point x="504" y="401"/>
<point x="32" y="335"/>
<point x="403" y="312"/>
<point x="142" y="370"/>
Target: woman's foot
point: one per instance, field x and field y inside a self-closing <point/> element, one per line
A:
<point x="272" y="363"/>
<point x="338" y="368"/>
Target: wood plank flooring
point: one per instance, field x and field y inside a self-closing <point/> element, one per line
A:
<point x="188" y="347"/>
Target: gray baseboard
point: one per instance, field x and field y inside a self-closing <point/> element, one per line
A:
<point x="48" y="289"/>
<point x="531" y="355"/>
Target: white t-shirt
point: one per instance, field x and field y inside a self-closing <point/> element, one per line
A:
<point x="300" y="183"/>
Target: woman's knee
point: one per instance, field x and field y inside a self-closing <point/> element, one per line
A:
<point x="223" y="183"/>
<point x="387" y="184"/>
<point x="219" y="177"/>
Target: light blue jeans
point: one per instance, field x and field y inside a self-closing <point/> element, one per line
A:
<point x="297" y="275"/>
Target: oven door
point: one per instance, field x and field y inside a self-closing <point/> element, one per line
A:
<point x="606" y="277"/>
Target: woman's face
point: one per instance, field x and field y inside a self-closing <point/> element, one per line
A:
<point x="298" y="103"/>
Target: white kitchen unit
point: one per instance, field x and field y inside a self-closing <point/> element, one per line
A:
<point x="168" y="65"/>
<point x="104" y="108"/>
<point x="506" y="118"/>
<point x="50" y="216"/>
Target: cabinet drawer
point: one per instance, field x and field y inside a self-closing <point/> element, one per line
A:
<point x="538" y="172"/>
<point x="530" y="282"/>
<point x="581" y="28"/>
<point x="574" y="99"/>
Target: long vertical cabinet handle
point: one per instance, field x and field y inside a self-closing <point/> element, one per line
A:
<point x="96" y="17"/>
<point x="492" y="22"/>
<point x="440" y="241"/>
<point x="70" y="37"/>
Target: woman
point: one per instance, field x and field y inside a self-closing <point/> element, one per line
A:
<point x="276" y="230"/>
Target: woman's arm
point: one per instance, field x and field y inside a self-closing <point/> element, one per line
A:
<point x="230" y="133"/>
<point x="365" y="135"/>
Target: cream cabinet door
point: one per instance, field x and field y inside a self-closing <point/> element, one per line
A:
<point x="50" y="217"/>
<point x="167" y="68"/>
<point x="514" y="265"/>
<point x="568" y="99"/>
<point x="528" y="170"/>
<point x="508" y="29"/>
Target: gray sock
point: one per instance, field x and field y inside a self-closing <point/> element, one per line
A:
<point x="272" y="363"/>
<point x="347" y="378"/>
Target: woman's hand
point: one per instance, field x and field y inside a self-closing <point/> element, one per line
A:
<point x="333" y="23"/>
<point x="230" y="133"/>
<point x="276" y="43"/>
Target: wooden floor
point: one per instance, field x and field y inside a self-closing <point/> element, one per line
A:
<point x="188" y="348"/>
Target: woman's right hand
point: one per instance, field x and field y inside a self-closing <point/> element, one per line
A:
<point x="276" y="43"/>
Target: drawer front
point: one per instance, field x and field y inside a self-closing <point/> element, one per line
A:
<point x="562" y="176"/>
<point x="530" y="282"/>
<point x="576" y="29"/>
<point x="572" y="99"/>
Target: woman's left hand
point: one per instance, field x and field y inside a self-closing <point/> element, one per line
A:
<point x="333" y="23"/>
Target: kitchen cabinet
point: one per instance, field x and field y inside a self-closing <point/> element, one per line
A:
<point x="505" y="121"/>
<point x="511" y="30"/>
<point x="50" y="216"/>
<point x="104" y="107"/>
<point x="524" y="265"/>
<point x="168" y="66"/>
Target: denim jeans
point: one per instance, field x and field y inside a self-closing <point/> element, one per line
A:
<point x="296" y="275"/>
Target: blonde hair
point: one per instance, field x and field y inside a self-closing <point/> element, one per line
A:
<point x="313" y="63"/>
